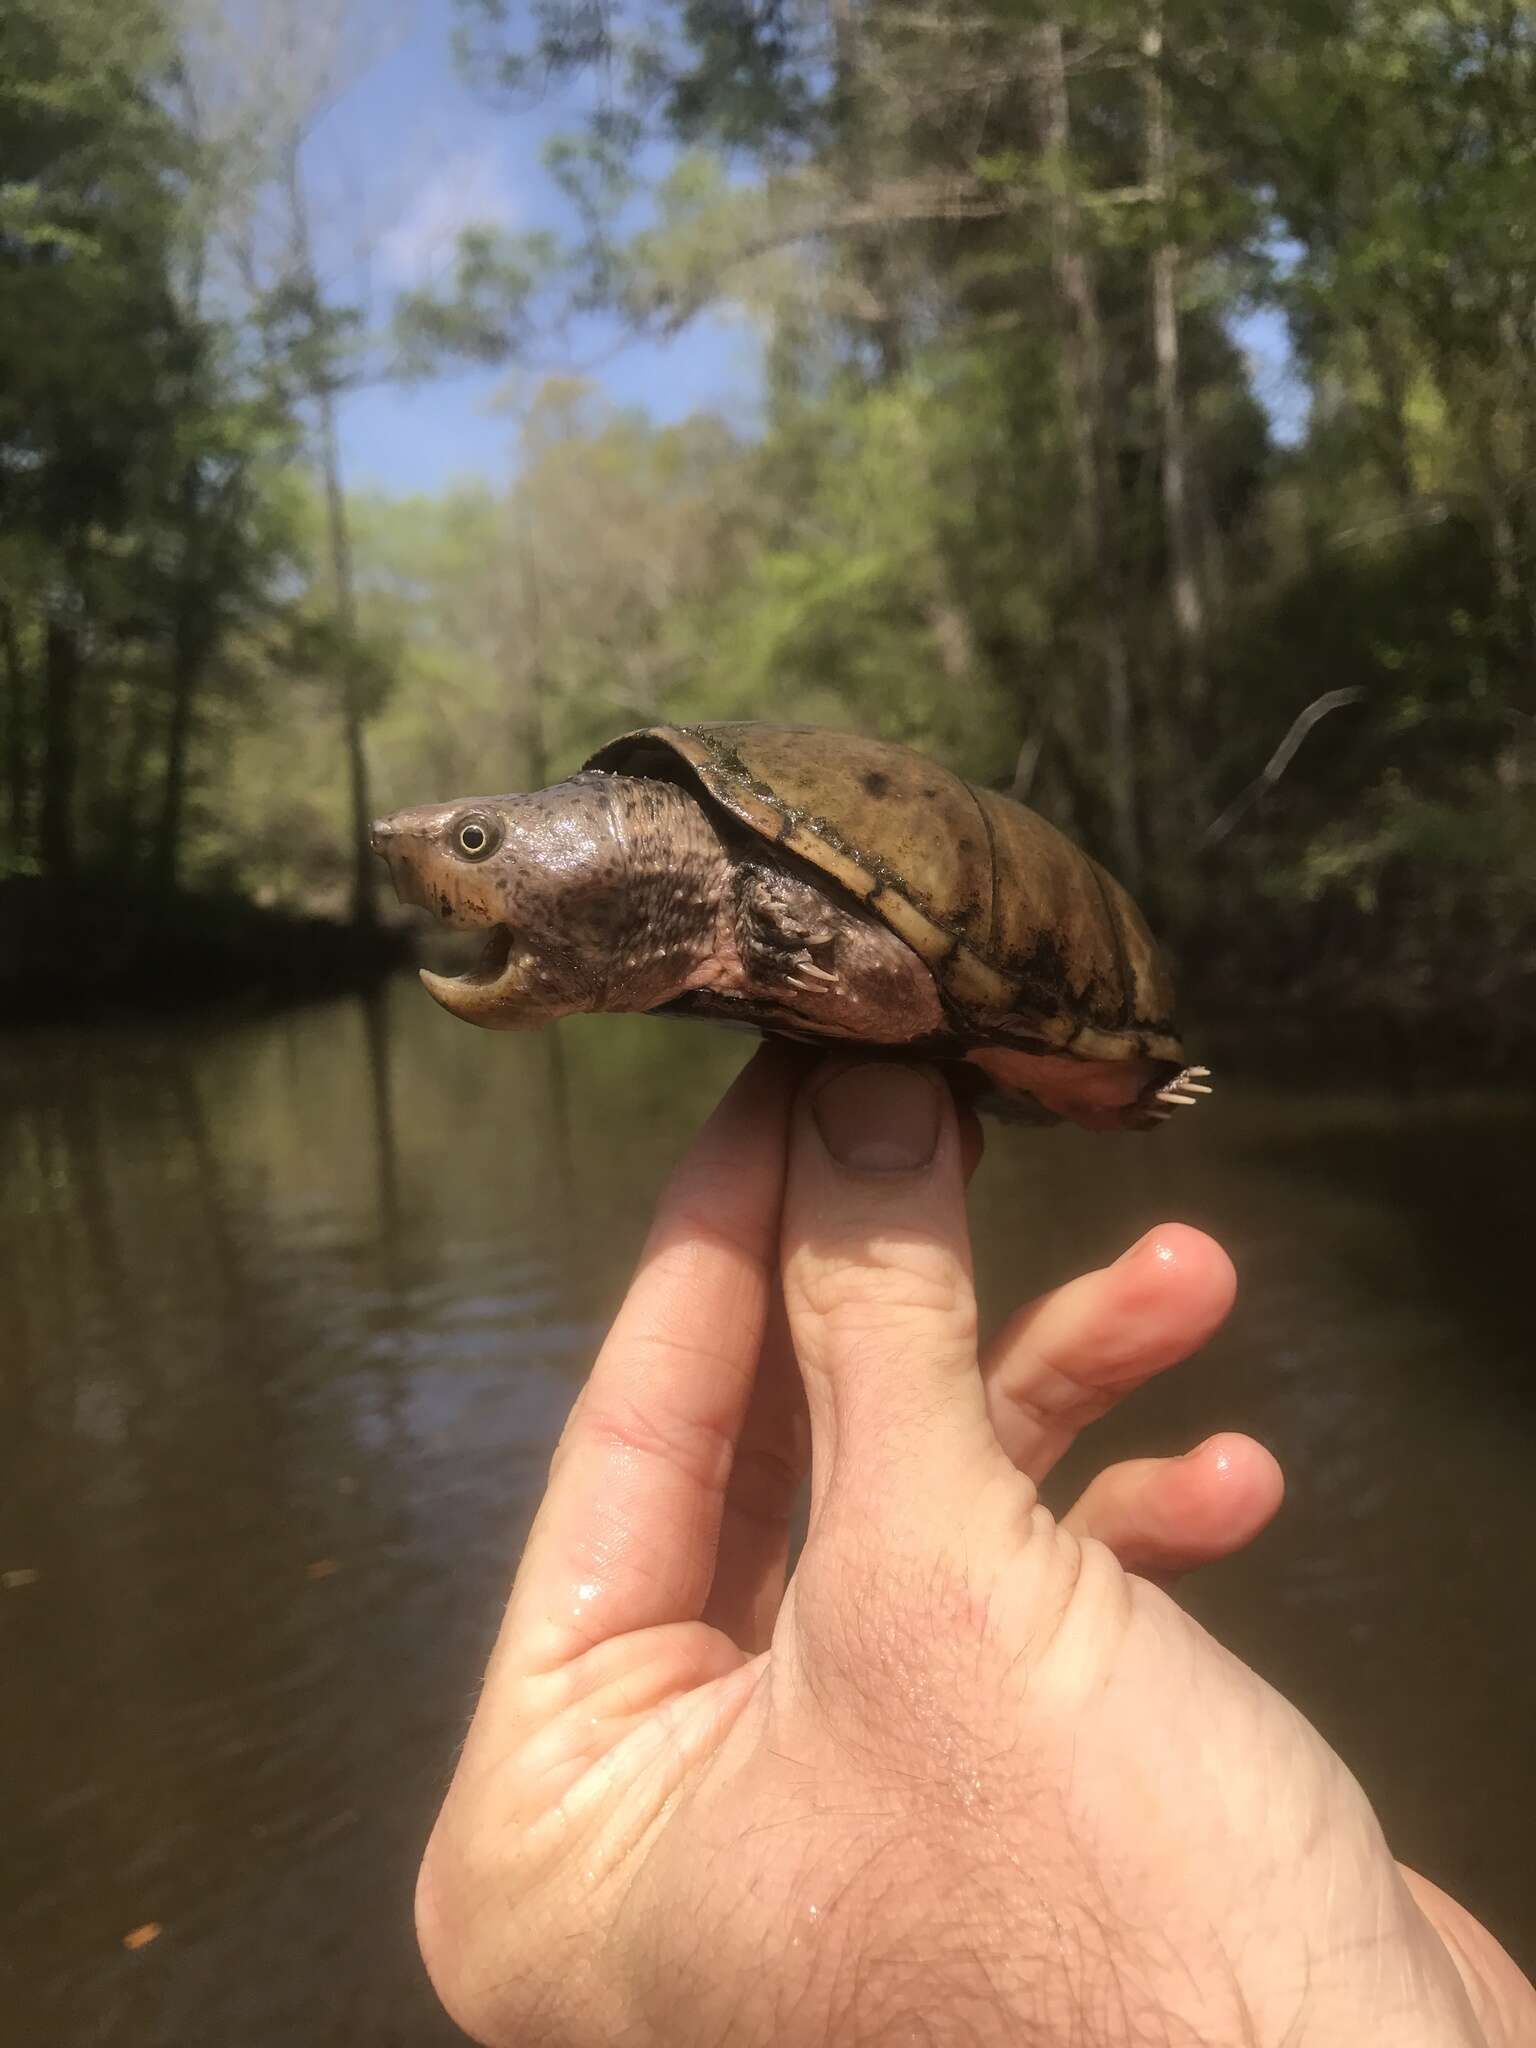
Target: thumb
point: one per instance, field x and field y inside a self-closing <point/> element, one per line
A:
<point x="877" y="1285"/>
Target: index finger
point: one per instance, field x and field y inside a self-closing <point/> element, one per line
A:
<point x="625" y="1538"/>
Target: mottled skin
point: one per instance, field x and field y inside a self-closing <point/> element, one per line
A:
<point x="615" y="892"/>
<point x="814" y="884"/>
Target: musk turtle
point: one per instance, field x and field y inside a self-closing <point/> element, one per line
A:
<point x="813" y="884"/>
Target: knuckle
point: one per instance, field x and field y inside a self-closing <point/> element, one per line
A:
<point x="698" y="1446"/>
<point x="882" y="1286"/>
<point x="705" y="1213"/>
<point x="861" y="1338"/>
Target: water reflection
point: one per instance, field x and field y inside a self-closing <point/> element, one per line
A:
<point x="290" y="1315"/>
<point x="373" y="1010"/>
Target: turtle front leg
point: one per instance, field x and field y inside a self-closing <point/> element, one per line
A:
<point x="833" y="969"/>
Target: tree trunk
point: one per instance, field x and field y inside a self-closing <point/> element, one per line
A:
<point x="16" y="722"/>
<point x="1504" y="541"/>
<point x="1520" y="385"/>
<point x="364" y="905"/>
<point x="1484" y="432"/>
<point x="536" y="691"/>
<point x="871" y="246"/>
<point x="178" y="744"/>
<point x="1391" y="382"/>
<point x="61" y="757"/>
<point x="1213" y="551"/>
<point x="186" y="673"/>
<point x="322" y="389"/>
<point x="1088" y="438"/>
<point x="127" y="776"/>
<point x="1188" y="599"/>
<point x="189" y="642"/>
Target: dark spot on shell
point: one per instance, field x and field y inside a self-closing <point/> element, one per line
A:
<point x="1042" y="975"/>
<point x="930" y="792"/>
<point x="876" y="783"/>
<point x="966" y="845"/>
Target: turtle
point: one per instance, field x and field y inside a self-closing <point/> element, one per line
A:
<point x="814" y="884"/>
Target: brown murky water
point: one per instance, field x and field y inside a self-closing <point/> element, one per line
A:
<point x="291" y="1312"/>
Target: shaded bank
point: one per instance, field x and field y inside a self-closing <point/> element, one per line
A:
<point x="1308" y="1031"/>
<point x="76" y="949"/>
<point x="73" y="951"/>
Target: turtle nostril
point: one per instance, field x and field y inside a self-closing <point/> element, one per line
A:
<point x="380" y="830"/>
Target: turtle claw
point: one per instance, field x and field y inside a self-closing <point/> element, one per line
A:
<point x="1185" y="1088"/>
<point x="804" y="964"/>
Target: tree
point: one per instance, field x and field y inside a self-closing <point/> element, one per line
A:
<point x="114" y="413"/>
<point x="263" y="87"/>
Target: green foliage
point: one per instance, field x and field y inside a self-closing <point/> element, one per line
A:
<point x="1014" y="498"/>
<point x="497" y="278"/>
<point x="137" y="538"/>
<point x="85" y="248"/>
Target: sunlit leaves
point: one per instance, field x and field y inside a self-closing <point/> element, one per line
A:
<point x="488" y="311"/>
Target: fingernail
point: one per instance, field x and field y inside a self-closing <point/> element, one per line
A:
<point x="1151" y="1242"/>
<point x="879" y="1119"/>
<point x="1223" y="1456"/>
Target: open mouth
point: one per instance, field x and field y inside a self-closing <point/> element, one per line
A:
<point x="477" y="993"/>
<point x="494" y="955"/>
<point x="467" y="959"/>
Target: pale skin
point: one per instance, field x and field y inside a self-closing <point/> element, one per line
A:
<point x="971" y="1775"/>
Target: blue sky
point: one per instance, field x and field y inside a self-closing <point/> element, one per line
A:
<point x="410" y="156"/>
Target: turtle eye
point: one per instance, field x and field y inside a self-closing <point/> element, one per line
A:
<point x="476" y="838"/>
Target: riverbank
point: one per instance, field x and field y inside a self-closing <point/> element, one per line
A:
<point x="78" y="950"/>
<point x="1457" y="1021"/>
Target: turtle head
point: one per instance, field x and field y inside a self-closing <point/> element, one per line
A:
<point x="600" y="893"/>
<point x="510" y="866"/>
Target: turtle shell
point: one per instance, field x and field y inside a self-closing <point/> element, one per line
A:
<point x="1029" y="940"/>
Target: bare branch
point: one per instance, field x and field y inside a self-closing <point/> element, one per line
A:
<point x="897" y="203"/>
<point x="1025" y="766"/>
<point x="1279" y="760"/>
<point x="1432" y="512"/>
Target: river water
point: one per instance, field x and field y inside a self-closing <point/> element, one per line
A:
<point x="292" y="1309"/>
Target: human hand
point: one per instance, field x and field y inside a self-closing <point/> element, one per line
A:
<point x="968" y="1778"/>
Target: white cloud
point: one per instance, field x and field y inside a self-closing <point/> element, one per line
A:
<point x="467" y="190"/>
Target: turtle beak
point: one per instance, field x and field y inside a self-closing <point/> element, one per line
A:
<point x="506" y="989"/>
<point x="491" y="992"/>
